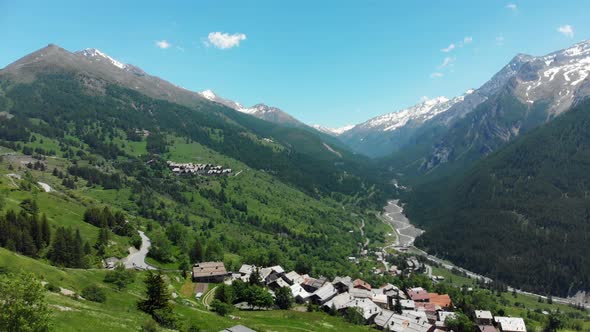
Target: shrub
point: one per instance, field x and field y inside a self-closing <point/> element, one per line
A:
<point x="120" y="277"/>
<point x="52" y="288"/>
<point x="166" y="318"/>
<point x="94" y="293"/>
<point x="220" y="307"/>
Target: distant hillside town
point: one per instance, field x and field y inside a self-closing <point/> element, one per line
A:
<point x="197" y="169"/>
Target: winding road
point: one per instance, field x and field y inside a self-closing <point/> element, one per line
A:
<point x="136" y="258"/>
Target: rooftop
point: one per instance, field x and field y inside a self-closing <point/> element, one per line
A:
<point x="483" y="314"/>
<point x="511" y="324"/>
<point x="209" y="269"/>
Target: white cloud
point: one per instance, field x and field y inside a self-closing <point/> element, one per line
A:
<point x="436" y="75"/>
<point x="225" y="40"/>
<point x="447" y="62"/>
<point x="513" y="7"/>
<point x="424" y="98"/>
<point x="499" y="40"/>
<point x="163" y="44"/>
<point x="566" y="30"/>
<point x="449" y="48"/>
<point x="467" y="40"/>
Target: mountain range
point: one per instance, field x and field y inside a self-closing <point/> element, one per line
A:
<point x="463" y="159"/>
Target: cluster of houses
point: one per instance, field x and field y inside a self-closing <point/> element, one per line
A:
<point x="417" y="309"/>
<point x="197" y="169"/>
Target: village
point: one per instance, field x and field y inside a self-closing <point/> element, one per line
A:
<point x="197" y="169"/>
<point x="385" y="307"/>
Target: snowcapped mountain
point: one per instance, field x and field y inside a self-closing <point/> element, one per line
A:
<point x="561" y="77"/>
<point x="386" y="133"/>
<point x="100" y="69"/>
<point x="416" y="114"/>
<point x="332" y="131"/>
<point x="529" y="91"/>
<point x="261" y="111"/>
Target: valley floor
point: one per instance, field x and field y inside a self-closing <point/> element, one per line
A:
<point x="407" y="233"/>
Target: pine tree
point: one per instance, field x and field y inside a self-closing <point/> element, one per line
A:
<point x="45" y="231"/>
<point x="36" y="232"/>
<point x="87" y="249"/>
<point x="157" y="294"/>
<point x="77" y="250"/>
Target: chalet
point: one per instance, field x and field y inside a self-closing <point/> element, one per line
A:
<point x="408" y="304"/>
<point x="361" y="284"/>
<point x="483" y="317"/>
<point x="311" y="284"/>
<point x="246" y="269"/>
<point x="510" y="324"/>
<point x="278" y="283"/>
<point x="441" y="300"/>
<point x="360" y="293"/>
<point x="381" y="300"/>
<point x="430" y="309"/>
<point x="418" y="294"/>
<point x="300" y="294"/>
<point x="209" y="272"/>
<point x="339" y="301"/>
<point x="390" y="321"/>
<point x="486" y="328"/>
<point x="342" y="284"/>
<point x="293" y="278"/>
<point x="416" y="315"/>
<point x="343" y="301"/>
<point x="265" y="272"/>
<point x="324" y="293"/>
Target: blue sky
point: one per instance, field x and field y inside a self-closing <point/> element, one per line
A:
<point x="326" y="62"/>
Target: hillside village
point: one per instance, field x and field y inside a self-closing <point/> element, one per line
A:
<point x="197" y="169"/>
<point x="386" y="307"/>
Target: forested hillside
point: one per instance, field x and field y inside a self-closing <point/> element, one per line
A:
<point x="521" y="215"/>
<point x="291" y="198"/>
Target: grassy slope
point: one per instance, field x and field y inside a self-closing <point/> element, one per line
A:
<point x="119" y="312"/>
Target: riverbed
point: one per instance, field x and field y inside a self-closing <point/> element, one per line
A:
<point x="406" y="232"/>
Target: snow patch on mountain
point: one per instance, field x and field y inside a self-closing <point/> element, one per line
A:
<point x="332" y="131"/>
<point x="96" y="54"/>
<point x="208" y="94"/>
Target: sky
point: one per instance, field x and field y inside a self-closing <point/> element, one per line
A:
<point x="331" y="63"/>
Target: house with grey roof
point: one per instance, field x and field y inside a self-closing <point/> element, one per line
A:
<point x="390" y="321"/>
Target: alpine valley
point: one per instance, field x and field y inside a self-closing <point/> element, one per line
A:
<point x="136" y="203"/>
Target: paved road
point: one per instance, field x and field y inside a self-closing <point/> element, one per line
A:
<point x="136" y="258"/>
